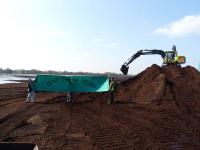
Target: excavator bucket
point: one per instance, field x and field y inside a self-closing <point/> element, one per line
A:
<point x="124" y="69"/>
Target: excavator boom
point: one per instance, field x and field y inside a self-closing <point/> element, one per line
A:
<point x="125" y="66"/>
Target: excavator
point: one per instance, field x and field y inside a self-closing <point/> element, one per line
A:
<point x="169" y="58"/>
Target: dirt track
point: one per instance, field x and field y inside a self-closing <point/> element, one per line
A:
<point x="90" y="123"/>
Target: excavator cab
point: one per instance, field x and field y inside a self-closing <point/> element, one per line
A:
<point x="171" y="57"/>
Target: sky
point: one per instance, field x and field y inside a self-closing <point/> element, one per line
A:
<point x="96" y="35"/>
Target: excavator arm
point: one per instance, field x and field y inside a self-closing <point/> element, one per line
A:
<point x="125" y="66"/>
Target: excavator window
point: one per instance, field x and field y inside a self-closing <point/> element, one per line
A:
<point x="170" y="55"/>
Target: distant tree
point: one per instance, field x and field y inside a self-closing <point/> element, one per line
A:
<point x="8" y="70"/>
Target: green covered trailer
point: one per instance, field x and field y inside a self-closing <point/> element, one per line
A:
<point x="61" y="83"/>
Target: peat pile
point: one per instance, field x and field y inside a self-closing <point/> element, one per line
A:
<point x="162" y="85"/>
<point x="89" y="123"/>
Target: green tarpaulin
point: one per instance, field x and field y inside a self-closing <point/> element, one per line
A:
<point x="57" y="83"/>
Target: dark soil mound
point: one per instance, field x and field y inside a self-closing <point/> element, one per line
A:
<point x="161" y="85"/>
<point x="90" y="123"/>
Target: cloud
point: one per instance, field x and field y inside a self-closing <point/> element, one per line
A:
<point x="113" y="44"/>
<point x="107" y="43"/>
<point x="26" y="46"/>
<point x="185" y="26"/>
<point x="99" y="40"/>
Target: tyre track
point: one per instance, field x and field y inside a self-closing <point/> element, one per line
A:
<point x="169" y="133"/>
<point x="103" y="133"/>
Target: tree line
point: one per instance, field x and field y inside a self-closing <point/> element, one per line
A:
<point x="35" y="71"/>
